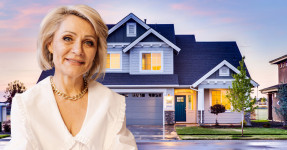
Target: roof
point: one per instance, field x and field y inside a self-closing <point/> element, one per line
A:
<point x="278" y="60"/>
<point x="197" y="58"/>
<point x="127" y="79"/>
<point x="273" y="88"/>
<point x="166" y="30"/>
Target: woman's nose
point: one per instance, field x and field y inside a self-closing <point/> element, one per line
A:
<point x="77" y="48"/>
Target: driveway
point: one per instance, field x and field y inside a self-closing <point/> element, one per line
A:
<point x="153" y="132"/>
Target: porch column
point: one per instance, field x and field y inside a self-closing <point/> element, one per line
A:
<point x="200" y="105"/>
<point x="270" y="117"/>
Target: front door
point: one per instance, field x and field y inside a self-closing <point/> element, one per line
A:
<point x="180" y="108"/>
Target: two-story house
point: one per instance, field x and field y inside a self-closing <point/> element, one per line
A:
<point x="168" y="78"/>
<point x="271" y="91"/>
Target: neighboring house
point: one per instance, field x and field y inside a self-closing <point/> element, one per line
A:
<point x="168" y="78"/>
<point x="271" y="91"/>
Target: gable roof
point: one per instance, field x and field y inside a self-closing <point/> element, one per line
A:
<point x="197" y="58"/>
<point x="124" y="20"/>
<point x="224" y="62"/>
<point x="278" y="60"/>
<point x="148" y="32"/>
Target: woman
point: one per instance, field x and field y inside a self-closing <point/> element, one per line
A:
<point x="71" y="110"/>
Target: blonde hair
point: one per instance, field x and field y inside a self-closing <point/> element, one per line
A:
<point x="50" y="25"/>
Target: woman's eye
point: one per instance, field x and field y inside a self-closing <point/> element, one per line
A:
<point x="68" y="39"/>
<point x="89" y="43"/>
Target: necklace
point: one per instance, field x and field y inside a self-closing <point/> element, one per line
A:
<point x="74" y="98"/>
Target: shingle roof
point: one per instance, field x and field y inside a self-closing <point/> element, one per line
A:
<point x="198" y="58"/>
<point x="127" y="79"/>
<point x="271" y="88"/>
<point x="166" y="30"/>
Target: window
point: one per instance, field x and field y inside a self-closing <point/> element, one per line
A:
<point x="154" y="94"/>
<point x="131" y="30"/>
<point x="113" y="61"/>
<point x="124" y="94"/>
<point x="219" y="97"/>
<point x="224" y="71"/>
<point x="138" y="95"/>
<point x="151" y="61"/>
<point x="190" y="103"/>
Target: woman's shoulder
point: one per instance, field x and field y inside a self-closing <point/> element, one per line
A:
<point x="34" y="93"/>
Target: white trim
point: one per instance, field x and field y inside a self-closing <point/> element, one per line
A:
<point x="124" y="20"/>
<point x="114" y="44"/>
<point x="135" y="29"/>
<point x="270" y="90"/>
<point x="126" y="86"/>
<point x="151" y="44"/>
<point x="210" y="98"/>
<point x="224" y="62"/>
<point x="150" y="71"/>
<point x="115" y="52"/>
<point x="145" y="35"/>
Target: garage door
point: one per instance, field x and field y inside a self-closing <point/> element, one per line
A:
<point x="144" y="108"/>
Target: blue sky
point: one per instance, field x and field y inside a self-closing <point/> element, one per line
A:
<point x="258" y="27"/>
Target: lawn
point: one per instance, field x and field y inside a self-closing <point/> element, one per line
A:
<point x="4" y="135"/>
<point x="201" y="133"/>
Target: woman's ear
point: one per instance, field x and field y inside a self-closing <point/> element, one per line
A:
<point x="50" y="47"/>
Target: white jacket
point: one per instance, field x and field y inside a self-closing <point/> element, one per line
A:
<point x="36" y="123"/>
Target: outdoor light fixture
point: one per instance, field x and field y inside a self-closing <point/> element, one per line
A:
<point x="169" y="102"/>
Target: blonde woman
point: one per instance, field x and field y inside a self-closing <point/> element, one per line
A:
<point x="70" y="110"/>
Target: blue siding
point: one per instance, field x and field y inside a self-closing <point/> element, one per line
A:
<point x="151" y="38"/>
<point x="215" y="75"/>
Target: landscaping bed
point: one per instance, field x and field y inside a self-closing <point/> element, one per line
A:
<point x="257" y="132"/>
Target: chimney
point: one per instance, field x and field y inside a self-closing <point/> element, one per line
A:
<point x="145" y="21"/>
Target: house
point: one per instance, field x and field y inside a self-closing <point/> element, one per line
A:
<point x="168" y="78"/>
<point x="271" y="91"/>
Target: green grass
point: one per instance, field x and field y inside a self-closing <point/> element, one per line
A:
<point x="4" y="135"/>
<point x="259" y="121"/>
<point x="229" y="131"/>
<point x="232" y="137"/>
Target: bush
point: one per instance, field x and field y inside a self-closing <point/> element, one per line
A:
<point x="266" y="125"/>
<point x="7" y="126"/>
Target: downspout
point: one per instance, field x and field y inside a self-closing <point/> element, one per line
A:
<point x="201" y="108"/>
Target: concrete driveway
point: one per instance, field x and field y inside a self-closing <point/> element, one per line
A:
<point x="153" y="132"/>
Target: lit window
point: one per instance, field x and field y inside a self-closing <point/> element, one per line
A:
<point x="131" y="30"/>
<point x="151" y="61"/>
<point x="219" y="97"/>
<point x="113" y="61"/>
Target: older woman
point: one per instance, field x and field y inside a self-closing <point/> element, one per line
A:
<point x="71" y="110"/>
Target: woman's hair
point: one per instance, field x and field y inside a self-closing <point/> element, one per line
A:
<point x="50" y="25"/>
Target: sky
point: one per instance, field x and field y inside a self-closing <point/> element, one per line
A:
<point x="257" y="26"/>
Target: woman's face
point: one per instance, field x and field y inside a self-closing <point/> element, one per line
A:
<point x="74" y="47"/>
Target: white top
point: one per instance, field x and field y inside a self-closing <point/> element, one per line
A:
<point x="36" y="122"/>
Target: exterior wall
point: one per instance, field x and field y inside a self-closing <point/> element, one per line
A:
<point x="275" y="117"/>
<point x="216" y="75"/>
<point x="227" y="117"/>
<point x="282" y="72"/>
<point x="124" y="60"/>
<point x="167" y="61"/>
<point x="120" y="35"/>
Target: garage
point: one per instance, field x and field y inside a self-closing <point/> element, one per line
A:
<point x="144" y="108"/>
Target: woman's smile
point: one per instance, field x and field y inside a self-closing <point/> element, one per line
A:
<point x="75" y="61"/>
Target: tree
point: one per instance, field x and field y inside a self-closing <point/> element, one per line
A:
<point x="216" y="109"/>
<point x="239" y="94"/>
<point x="282" y="98"/>
<point x="12" y="89"/>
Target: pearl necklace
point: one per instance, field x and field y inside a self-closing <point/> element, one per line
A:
<point x="74" y="98"/>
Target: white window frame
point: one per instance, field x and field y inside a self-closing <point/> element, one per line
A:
<point x="221" y="73"/>
<point x="150" y="71"/>
<point x="114" y="52"/>
<point x="210" y="98"/>
<point x="135" y="30"/>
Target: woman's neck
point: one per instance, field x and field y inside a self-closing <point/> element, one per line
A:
<point x="68" y="85"/>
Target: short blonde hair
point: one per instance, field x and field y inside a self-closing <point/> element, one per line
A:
<point x="50" y="25"/>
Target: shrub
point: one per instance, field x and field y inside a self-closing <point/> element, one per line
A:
<point x="266" y="125"/>
<point x="7" y="126"/>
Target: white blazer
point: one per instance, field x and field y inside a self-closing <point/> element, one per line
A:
<point x="36" y="122"/>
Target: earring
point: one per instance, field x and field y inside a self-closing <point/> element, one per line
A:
<point x="51" y="59"/>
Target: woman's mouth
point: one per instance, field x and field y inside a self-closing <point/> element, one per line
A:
<point x="75" y="62"/>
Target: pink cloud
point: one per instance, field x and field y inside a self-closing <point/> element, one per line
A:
<point x="26" y="17"/>
<point x="193" y="10"/>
